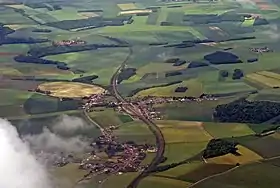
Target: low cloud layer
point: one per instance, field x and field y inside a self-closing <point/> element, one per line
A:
<point x="54" y="139"/>
<point x="69" y="124"/>
<point x="51" y="142"/>
<point x="19" y="167"/>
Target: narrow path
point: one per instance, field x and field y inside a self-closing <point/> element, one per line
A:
<point x="232" y="169"/>
<point x="93" y="122"/>
<point x="212" y="176"/>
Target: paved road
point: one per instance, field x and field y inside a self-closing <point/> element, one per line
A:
<point x="134" y="110"/>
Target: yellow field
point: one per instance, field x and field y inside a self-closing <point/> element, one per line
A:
<point x="267" y="81"/>
<point x="9" y="71"/>
<point x="127" y="6"/>
<point x="21" y="6"/>
<point x="88" y="14"/>
<point x="134" y="12"/>
<point x="181" y="131"/>
<point x="246" y="157"/>
<point x="16" y="26"/>
<point x="70" y="89"/>
<point x="269" y="74"/>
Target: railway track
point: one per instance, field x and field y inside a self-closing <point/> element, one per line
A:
<point x="130" y="108"/>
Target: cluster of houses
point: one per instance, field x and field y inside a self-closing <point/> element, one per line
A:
<point x="261" y="50"/>
<point x="73" y="42"/>
<point x="110" y="156"/>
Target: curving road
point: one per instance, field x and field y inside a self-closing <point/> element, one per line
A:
<point x="134" y="110"/>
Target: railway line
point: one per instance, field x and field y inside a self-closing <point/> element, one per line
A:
<point x="134" y="110"/>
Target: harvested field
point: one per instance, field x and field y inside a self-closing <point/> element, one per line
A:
<point x="9" y="71"/>
<point x="247" y="156"/>
<point x="71" y="90"/>
<point x="134" y="12"/>
<point x="267" y="81"/>
<point x="127" y="6"/>
<point x="269" y="74"/>
<point x="88" y="14"/>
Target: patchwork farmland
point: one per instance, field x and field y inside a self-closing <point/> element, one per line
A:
<point x="145" y="93"/>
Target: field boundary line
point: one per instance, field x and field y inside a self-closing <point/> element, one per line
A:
<point x="213" y="176"/>
<point x="232" y="169"/>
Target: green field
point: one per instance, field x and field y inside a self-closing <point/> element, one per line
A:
<point x="200" y="111"/>
<point x="227" y="130"/>
<point x="239" y="177"/>
<point x="136" y="131"/>
<point x="136" y="34"/>
<point x="108" y="117"/>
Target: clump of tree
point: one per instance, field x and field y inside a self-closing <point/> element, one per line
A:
<point x="237" y="74"/>
<point x="41" y="30"/>
<point x="219" y="147"/>
<point x="55" y="50"/>
<point x="196" y="64"/>
<point x="222" y="57"/>
<point x="85" y="79"/>
<point x="244" y="111"/>
<point x="260" y="21"/>
<point x="93" y="22"/>
<point x="171" y="60"/>
<point x="174" y="73"/>
<point x="223" y="74"/>
<point x="125" y="74"/>
<point x="181" y="89"/>
<point x="36" y="60"/>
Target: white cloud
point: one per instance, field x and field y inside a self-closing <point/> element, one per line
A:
<point x="19" y="168"/>
<point x="51" y="142"/>
<point x="68" y="124"/>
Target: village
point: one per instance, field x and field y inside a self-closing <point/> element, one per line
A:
<point x="261" y="50"/>
<point x="145" y="104"/>
<point x="108" y="155"/>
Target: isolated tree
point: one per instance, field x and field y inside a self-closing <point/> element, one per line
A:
<point x="223" y="74"/>
<point x="237" y="74"/>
